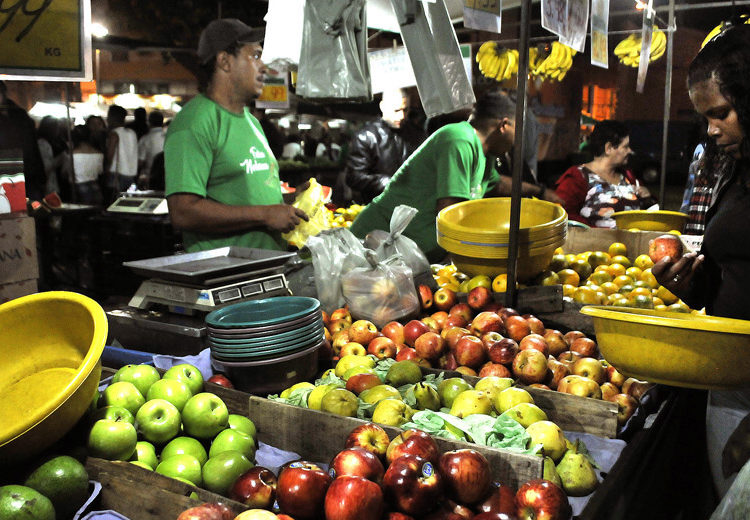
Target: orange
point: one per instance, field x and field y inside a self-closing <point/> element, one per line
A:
<point x="634" y="272"/>
<point x="625" y="289"/>
<point x="570" y="258"/>
<point x="600" y="277"/>
<point x="621" y="259"/>
<point x="559" y="251"/>
<point x="593" y="287"/>
<point x="447" y="270"/>
<point x="649" y="278"/>
<point x="641" y="283"/>
<point x="617" y="248"/>
<point x="598" y="258"/>
<point x="582" y="267"/>
<point x="558" y="263"/>
<point x="642" y="302"/>
<point x="674" y="232"/>
<point x="568" y="289"/>
<point x="586" y="296"/>
<point x="584" y="256"/>
<point x="666" y="296"/>
<point x="569" y="276"/>
<point x="500" y="283"/>
<point x="657" y="301"/>
<point x="604" y="268"/>
<point x="550" y="278"/>
<point x="643" y="262"/>
<point x="660" y="307"/>
<point x="616" y="299"/>
<point x="640" y="291"/>
<point x="616" y="269"/>
<point x="442" y="280"/>
<point x="678" y="307"/>
<point x="622" y="280"/>
<point x="609" y="288"/>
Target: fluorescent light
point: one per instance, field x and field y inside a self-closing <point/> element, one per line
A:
<point x="98" y="30"/>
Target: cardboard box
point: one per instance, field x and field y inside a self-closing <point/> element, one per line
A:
<point x="18" y="259"/>
<point x="10" y="291"/>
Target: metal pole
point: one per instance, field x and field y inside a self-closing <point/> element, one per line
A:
<point x="72" y="179"/>
<point x="515" y="192"/>
<point x="667" y="105"/>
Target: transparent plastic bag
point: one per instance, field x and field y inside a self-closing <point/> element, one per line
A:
<point x="736" y="503"/>
<point x="380" y="292"/>
<point x="387" y="244"/>
<point x="312" y="201"/>
<point x="334" y="252"/>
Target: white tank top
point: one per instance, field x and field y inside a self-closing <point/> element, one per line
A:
<point x="125" y="160"/>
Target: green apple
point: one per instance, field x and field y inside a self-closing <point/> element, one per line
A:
<point x="204" y="416"/>
<point x="158" y="421"/>
<point x="185" y="466"/>
<point x="508" y="398"/>
<point x="550" y="436"/>
<point x="352" y="360"/>
<point x="493" y="385"/>
<point x="145" y="452"/>
<point x="403" y="373"/>
<point x="341" y="402"/>
<point x="470" y="402"/>
<point x="176" y="392"/>
<point x="124" y="394"/>
<point x="142" y="376"/>
<point x="193" y="494"/>
<point x="113" y="440"/>
<point x="392" y="412"/>
<point x="188" y="374"/>
<point x="243" y="424"/>
<point x="141" y="464"/>
<point x="233" y="440"/>
<point x="315" y="399"/>
<point x="449" y="388"/>
<point x="220" y="472"/>
<point x="64" y="481"/>
<point x="185" y="445"/>
<point x="113" y="413"/>
<point x="377" y="393"/>
<point x="526" y="414"/>
<point x="23" y="502"/>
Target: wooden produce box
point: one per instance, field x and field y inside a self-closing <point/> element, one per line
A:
<point x="598" y="239"/>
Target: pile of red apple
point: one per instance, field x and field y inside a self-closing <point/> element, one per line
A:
<point x="482" y="338"/>
<point x="374" y="478"/>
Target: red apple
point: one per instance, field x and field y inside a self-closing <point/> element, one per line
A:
<point x="635" y="387"/>
<point x="412" y="485"/>
<point x="517" y="328"/>
<point x="536" y="342"/>
<point x="395" y="331"/>
<point x="221" y="380"/>
<point x="466" y="475"/>
<point x="479" y="297"/>
<point x="370" y="437"/>
<point x="535" y="324"/>
<point x="495" y="516"/>
<point x="494" y="369"/>
<point x="429" y="346"/>
<point x="358" y="462"/>
<point x="447" y="361"/>
<point x="591" y="368"/>
<point x="205" y="511"/>
<point x="440" y="318"/>
<point x="530" y="366"/>
<point x="503" y="351"/>
<point x="326" y="318"/>
<point x="614" y="376"/>
<point x="256" y="488"/>
<point x="469" y="352"/>
<point x="352" y="348"/>
<point x="358" y="383"/>
<point x="362" y="332"/>
<point x="506" y="312"/>
<point x="580" y="386"/>
<point x="555" y="341"/>
<point x="431" y="324"/>
<point x="485" y="322"/>
<point x="444" y="299"/>
<point x="608" y="391"/>
<point x="569" y="358"/>
<point x="353" y="498"/>
<point x="585" y="347"/>
<point x="382" y="347"/>
<point x="414" y="329"/>
<point x="540" y="499"/>
<point x="301" y="490"/>
<point x="461" y="309"/>
<point x="397" y="515"/>
<point x="501" y="499"/>
<point x="413" y="442"/>
<point x="540" y="386"/>
<point x="456" y="320"/>
<point x="626" y="406"/>
<point x="556" y="371"/>
<point x="406" y="353"/>
<point x="425" y="296"/>
<point x="572" y="335"/>
<point x="453" y="334"/>
<point x="338" y="325"/>
<point x="450" y="510"/>
<point x="339" y="339"/>
<point x="665" y="245"/>
<point x="341" y="314"/>
<point x="489" y="338"/>
<point x="467" y="371"/>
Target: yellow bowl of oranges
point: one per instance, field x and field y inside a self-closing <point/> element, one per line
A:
<point x="644" y="220"/>
<point x="673" y="348"/>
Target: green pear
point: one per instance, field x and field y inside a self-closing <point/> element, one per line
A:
<point x="493" y="385"/>
<point x="449" y="388"/>
<point x="427" y="397"/>
<point x="577" y="474"/>
<point x="403" y="373"/>
<point x="550" y="472"/>
<point x="526" y="414"/>
<point x="470" y="402"/>
<point x="506" y="399"/>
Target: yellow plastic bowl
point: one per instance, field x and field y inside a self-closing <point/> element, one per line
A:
<point x="674" y="348"/>
<point x="51" y="345"/>
<point x="488" y="250"/>
<point x="528" y="266"/>
<point x="650" y="220"/>
<point x="489" y="219"/>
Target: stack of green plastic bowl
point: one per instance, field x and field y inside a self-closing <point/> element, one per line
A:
<point x="477" y="233"/>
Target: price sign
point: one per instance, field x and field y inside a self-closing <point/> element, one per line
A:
<point x="275" y="92"/>
<point x="45" y="39"/>
<point x="488" y="6"/>
<point x="483" y="15"/>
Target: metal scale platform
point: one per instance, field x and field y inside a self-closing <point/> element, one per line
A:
<point x="166" y="314"/>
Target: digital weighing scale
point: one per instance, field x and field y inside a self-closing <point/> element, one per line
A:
<point x="140" y="202"/>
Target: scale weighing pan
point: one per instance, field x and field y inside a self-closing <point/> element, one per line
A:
<point x="281" y="332"/>
<point x="200" y="267"/>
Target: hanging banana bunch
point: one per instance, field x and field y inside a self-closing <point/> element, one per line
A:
<point x="628" y="51"/>
<point x="554" y="65"/>
<point x="497" y="63"/>
<point x="719" y="28"/>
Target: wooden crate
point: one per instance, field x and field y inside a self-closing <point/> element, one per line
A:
<point x="599" y="239"/>
<point x="318" y="436"/>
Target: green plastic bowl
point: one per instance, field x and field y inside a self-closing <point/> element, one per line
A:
<point x="269" y="311"/>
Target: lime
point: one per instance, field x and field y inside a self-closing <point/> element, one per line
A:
<point x="24" y="503"/>
<point x="64" y="481"/>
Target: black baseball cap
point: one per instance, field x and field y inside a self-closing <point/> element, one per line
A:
<point x="220" y="34"/>
<point x="495" y="104"/>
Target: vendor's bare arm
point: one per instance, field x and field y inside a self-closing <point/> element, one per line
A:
<point x="444" y="203"/>
<point x="503" y="188"/>
<point x="194" y="213"/>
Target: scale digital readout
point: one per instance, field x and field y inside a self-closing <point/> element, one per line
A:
<point x="141" y="205"/>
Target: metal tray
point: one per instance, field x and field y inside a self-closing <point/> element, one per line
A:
<point x="192" y="268"/>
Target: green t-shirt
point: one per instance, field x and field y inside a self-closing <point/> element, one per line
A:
<point x="449" y="164"/>
<point x="225" y="157"/>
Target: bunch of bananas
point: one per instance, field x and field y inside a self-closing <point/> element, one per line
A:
<point x="554" y="65"/>
<point x="497" y="63"/>
<point x="723" y="25"/>
<point x="628" y="51"/>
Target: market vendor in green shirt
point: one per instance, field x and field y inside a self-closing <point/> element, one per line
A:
<point x="449" y="167"/>
<point x="221" y="178"/>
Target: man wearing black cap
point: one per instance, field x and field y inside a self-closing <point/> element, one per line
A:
<point x="448" y="168"/>
<point x="222" y="180"/>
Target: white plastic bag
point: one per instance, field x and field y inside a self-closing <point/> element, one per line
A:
<point x="283" y="42"/>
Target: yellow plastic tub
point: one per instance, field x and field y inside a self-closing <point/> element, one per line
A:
<point x="51" y="349"/>
<point x="674" y="348"/>
<point x="651" y="220"/>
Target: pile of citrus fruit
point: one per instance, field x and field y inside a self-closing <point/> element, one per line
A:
<point x="343" y="217"/>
